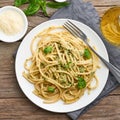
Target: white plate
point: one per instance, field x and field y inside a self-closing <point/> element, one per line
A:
<point x="27" y="88"/>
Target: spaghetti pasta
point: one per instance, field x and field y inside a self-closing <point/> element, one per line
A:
<point x="61" y="66"/>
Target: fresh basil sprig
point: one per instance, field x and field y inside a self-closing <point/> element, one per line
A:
<point x="36" y="5"/>
<point x="57" y="4"/>
<point x="18" y="3"/>
<point x="43" y="7"/>
<point x="32" y="9"/>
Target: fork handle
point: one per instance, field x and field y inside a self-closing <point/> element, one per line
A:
<point x="114" y="70"/>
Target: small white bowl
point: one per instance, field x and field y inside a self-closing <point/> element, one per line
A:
<point x="18" y="36"/>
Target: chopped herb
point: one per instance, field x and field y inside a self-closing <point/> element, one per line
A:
<point x="48" y="50"/>
<point x="63" y="81"/>
<point x="81" y="83"/>
<point x="51" y="89"/>
<point x="87" y="54"/>
<point x="67" y="65"/>
<point x="82" y="69"/>
<point x="68" y="51"/>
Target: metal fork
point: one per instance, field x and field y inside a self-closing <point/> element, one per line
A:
<point x="75" y="31"/>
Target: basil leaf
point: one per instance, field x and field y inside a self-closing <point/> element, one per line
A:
<point x="32" y="9"/>
<point x="18" y="3"/>
<point x="82" y="69"/>
<point x="43" y="7"/>
<point x="36" y="5"/>
<point x="34" y="1"/>
<point x="57" y="4"/>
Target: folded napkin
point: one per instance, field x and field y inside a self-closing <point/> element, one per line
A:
<point x="86" y="13"/>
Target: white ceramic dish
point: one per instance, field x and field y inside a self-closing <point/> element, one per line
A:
<point x="27" y="88"/>
<point x="18" y="36"/>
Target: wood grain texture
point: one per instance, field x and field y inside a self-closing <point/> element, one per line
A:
<point x="22" y="108"/>
<point x="13" y="103"/>
<point x="104" y="2"/>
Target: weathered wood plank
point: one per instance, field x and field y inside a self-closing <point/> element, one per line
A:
<point x="6" y="2"/>
<point x="101" y="10"/>
<point x="95" y="2"/>
<point x="107" y="109"/>
<point x="8" y="82"/>
<point x="104" y="2"/>
<point x="23" y="109"/>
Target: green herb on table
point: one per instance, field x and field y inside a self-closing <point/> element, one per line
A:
<point x="35" y="5"/>
<point x="32" y="9"/>
<point x="18" y="3"/>
<point x="43" y="7"/>
<point x="57" y="4"/>
<point x="48" y="50"/>
<point x="81" y="83"/>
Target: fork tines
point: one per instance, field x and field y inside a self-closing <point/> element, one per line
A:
<point x="74" y="30"/>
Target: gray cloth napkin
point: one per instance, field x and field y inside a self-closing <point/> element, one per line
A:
<point x="86" y="13"/>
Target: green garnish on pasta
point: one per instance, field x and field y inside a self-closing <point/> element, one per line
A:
<point x="51" y="89"/>
<point x="87" y="54"/>
<point x="81" y="83"/>
<point x="57" y="69"/>
<point x="48" y="49"/>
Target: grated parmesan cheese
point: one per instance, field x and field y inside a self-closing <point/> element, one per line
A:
<point x="11" y="22"/>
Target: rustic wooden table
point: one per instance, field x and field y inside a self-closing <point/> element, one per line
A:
<point x="13" y="103"/>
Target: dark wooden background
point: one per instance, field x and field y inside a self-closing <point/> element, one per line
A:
<point x="13" y="103"/>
